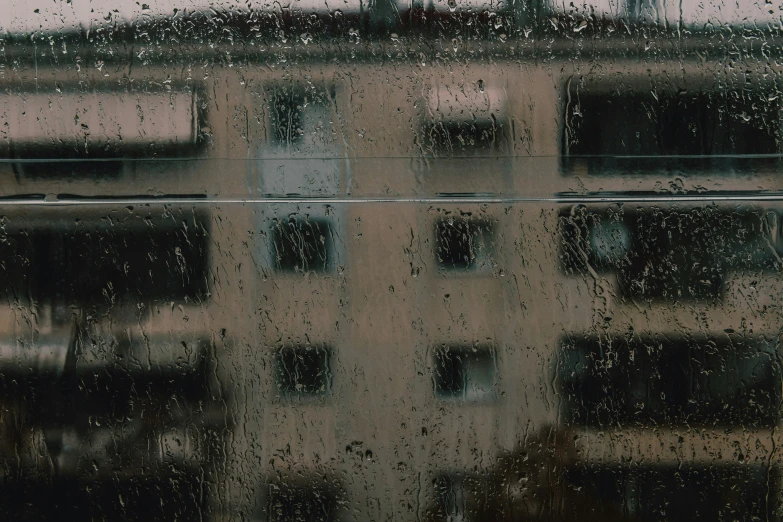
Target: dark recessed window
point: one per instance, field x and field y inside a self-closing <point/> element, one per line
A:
<point x="286" y="117"/>
<point x="300" y="117"/>
<point x="668" y="380"/>
<point x="671" y="254"/>
<point x="467" y="496"/>
<point x="671" y="123"/>
<point x="139" y="258"/>
<point x="464" y="372"/>
<point x="301" y="244"/>
<point x="462" y="243"/>
<point x="450" y="492"/>
<point x="680" y="492"/>
<point x="303" y="371"/>
<point x="69" y="170"/>
<point x="302" y="503"/>
<point x="110" y="498"/>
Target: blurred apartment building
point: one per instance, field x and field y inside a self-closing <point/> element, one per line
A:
<point x="332" y="270"/>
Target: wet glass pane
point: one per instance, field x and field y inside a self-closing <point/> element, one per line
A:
<point x="426" y="261"/>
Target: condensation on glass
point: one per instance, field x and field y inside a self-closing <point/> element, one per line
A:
<point x="431" y="261"/>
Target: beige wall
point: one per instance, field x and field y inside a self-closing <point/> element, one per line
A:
<point x="384" y="306"/>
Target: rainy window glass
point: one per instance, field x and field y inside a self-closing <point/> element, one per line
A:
<point x="463" y="372"/>
<point x="462" y="243"/>
<point x="303" y="371"/>
<point x="300" y="244"/>
<point x="426" y="261"/>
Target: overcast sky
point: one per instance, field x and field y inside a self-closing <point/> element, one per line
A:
<point x="32" y="15"/>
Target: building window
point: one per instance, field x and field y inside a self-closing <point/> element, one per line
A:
<point x="302" y="155"/>
<point x="300" y="118"/>
<point x="671" y="123"/>
<point x="669" y="254"/>
<point x="78" y="124"/>
<point x="301" y="244"/>
<point x="466" y="496"/>
<point x="303" y="371"/>
<point x="302" y="503"/>
<point x="286" y="118"/>
<point x="138" y="258"/>
<point x="450" y="492"/>
<point x="71" y="170"/>
<point x="463" y="243"/>
<point x="668" y="379"/>
<point x="681" y="491"/>
<point x="464" y="372"/>
<point x="473" y="121"/>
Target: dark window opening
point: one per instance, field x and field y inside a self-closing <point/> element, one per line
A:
<point x="106" y="261"/>
<point x="118" y="498"/>
<point x="668" y="380"/>
<point x="455" y="496"/>
<point x="669" y="124"/>
<point x="683" y="492"/>
<point x="301" y="244"/>
<point x="302" y="503"/>
<point x="64" y="170"/>
<point x="69" y="405"/>
<point x="69" y="382"/>
<point x="120" y="412"/>
<point x="676" y="254"/>
<point x="464" y="372"/>
<point x="303" y="371"/>
<point x="299" y="115"/>
<point x="286" y="117"/>
<point x="462" y="243"/>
